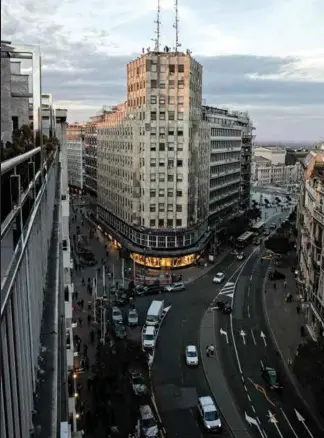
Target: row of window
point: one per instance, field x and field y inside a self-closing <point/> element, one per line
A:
<point x="161" y="131"/>
<point x="162" y="147"/>
<point x="180" y="84"/>
<point x="225" y="144"/>
<point x="223" y="132"/>
<point x="161" y="162"/>
<point x="161" y="192"/>
<point x="162" y="100"/>
<point x="161" y="208"/>
<point x="161" y="177"/>
<point x="169" y="223"/>
<point x="162" y="115"/>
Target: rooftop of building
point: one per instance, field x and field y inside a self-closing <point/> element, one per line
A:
<point x="270" y="149"/>
<point x="259" y="158"/>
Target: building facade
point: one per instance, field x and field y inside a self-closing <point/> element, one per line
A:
<point x="153" y="162"/>
<point x="274" y="154"/>
<point x="48" y="115"/>
<point x="75" y="155"/>
<point x="229" y="187"/>
<point x="265" y="173"/>
<point x="90" y="157"/>
<point x="311" y="241"/>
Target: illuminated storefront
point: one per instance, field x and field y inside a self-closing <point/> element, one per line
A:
<point x="165" y="262"/>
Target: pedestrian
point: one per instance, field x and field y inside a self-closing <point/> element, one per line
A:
<point x="298" y="310"/>
<point x="89" y="319"/>
<point x="80" y="321"/>
<point x="285" y="284"/>
<point x="274" y="286"/>
<point x="82" y="281"/>
<point x="76" y="295"/>
<point x="82" y="304"/>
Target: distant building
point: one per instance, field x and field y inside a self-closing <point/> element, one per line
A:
<point x="294" y="156"/>
<point x="274" y="154"/>
<point x="311" y="241"/>
<point x="75" y="155"/>
<point x="48" y="115"/>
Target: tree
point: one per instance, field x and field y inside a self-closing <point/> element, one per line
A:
<point x="279" y="244"/>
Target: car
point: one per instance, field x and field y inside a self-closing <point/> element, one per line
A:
<point x="208" y="414"/>
<point x="117" y="316"/>
<point x="152" y="289"/>
<point x="240" y="256"/>
<point x="271" y="378"/>
<point x="148" y="423"/>
<point x="138" y="383"/>
<point x="191" y="355"/>
<point x="132" y="317"/>
<point x="149" y="338"/>
<point x="175" y="287"/>
<point x="219" y="277"/>
<point x="120" y="331"/>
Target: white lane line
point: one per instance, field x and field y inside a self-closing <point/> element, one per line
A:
<point x="245" y="388"/>
<point x="289" y="424"/>
<point x="253" y="337"/>
<point x="248" y="310"/>
<point x="266" y="436"/>
<point x="262" y="366"/>
<point x="253" y="408"/>
<point x="249" y="398"/>
<point x="242" y="378"/>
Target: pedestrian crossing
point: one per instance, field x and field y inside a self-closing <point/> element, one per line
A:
<point x="228" y="290"/>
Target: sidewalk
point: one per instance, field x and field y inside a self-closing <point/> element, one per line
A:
<point x="285" y="320"/>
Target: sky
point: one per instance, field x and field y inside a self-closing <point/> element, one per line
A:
<point x="261" y="56"/>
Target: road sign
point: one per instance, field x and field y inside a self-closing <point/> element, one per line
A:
<point x="243" y="334"/>
<point x="302" y="420"/>
<point x="223" y="332"/>
<point x="263" y="336"/>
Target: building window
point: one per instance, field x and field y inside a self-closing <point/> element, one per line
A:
<point x="153" y="132"/>
<point x="162" y="132"/>
<point x="171" y="84"/>
<point x="170" y="164"/>
<point x="152" y="208"/>
<point x="170" y="223"/>
<point x="171" y="69"/>
<point x="161" y="162"/>
<point x="170" y="131"/>
<point x="179" y="163"/>
<point x="162" y="85"/>
<point x="15" y="123"/>
<point x="179" y="208"/>
<point x="179" y="177"/>
<point x="162" y="100"/>
<point x="181" y="68"/>
<point x="153" y="147"/>
<point x="153" y="83"/>
<point x="161" y="177"/>
<point x="170" y="147"/>
<point x="153" y="115"/>
<point x="181" y="83"/>
<point x="152" y="193"/>
<point x="179" y="222"/>
<point x="153" y="177"/>
<point x="153" y="162"/>
<point x="171" y="100"/>
<point x="162" y="115"/>
<point x="171" y="115"/>
<point x="179" y="193"/>
<point x="180" y="115"/>
<point x="180" y="100"/>
<point x="170" y="208"/>
<point x="180" y="133"/>
<point x="161" y="207"/>
<point x="153" y="100"/>
<point x="152" y="223"/>
<point x="170" y="193"/>
<point x="162" y="147"/>
<point x="161" y="222"/>
<point x="170" y="178"/>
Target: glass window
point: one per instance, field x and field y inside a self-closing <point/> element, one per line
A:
<point x="153" y="132"/>
<point x="162" y="100"/>
<point x="161" y="192"/>
<point x="153" y="100"/>
<point x="170" y="207"/>
<point x="171" y="115"/>
<point x="162" y="84"/>
<point x="153" y="162"/>
<point x="179" y="208"/>
<point x="179" y="177"/>
<point x="162" y="147"/>
<point x="181" y="68"/>
<point x="152" y="223"/>
<point x="170" y="146"/>
<point x="181" y="83"/>
<point x="161" y="162"/>
<point x="171" y="100"/>
<point x="153" y="115"/>
<point x="171" y="84"/>
<point x="171" y="68"/>
<point x="161" y="224"/>
<point x="179" y="222"/>
<point x="180" y="99"/>
<point x="152" y="193"/>
<point x="153" y="83"/>
<point x="170" y="223"/>
<point x="170" y="164"/>
<point x="161" y="207"/>
<point x="179" y="163"/>
<point x="170" y="178"/>
<point x="162" y="115"/>
<point x="179" y="193"/>
<point x="170" y="192"/>
<point x="153" y="147"/>
<point x="152" y="208"/>
<point x="161" y="177"/>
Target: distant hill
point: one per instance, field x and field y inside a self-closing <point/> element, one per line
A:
<point x="285" y="145"/>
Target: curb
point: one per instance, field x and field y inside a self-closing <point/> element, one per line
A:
<point x="290" y="375"/>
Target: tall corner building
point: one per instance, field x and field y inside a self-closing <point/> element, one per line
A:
<point x="153" y="162"/>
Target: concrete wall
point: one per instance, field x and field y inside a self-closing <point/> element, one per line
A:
<point x="6" y="121"/>
<point x="19" y="105"/>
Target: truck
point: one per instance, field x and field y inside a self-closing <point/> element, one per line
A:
<point x="154" y="313"/>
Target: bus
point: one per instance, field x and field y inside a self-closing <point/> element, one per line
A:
<point x="244" y="239"/>
<point x="258" y="228"/>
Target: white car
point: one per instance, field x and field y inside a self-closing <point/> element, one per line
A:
<point x="149" y="338"/>
<point x="191" y="354"/>
<point x="117" y="316"/>
<point x="175" y="287"/>
<point x="219" y="277"/>
<point x="209" y="414"/>
<point x="132" y="317"/>
<point x="240" y="256"/>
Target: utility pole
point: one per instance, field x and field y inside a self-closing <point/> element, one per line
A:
<point x="104" y="303"/>
<point x="123" y="271"/>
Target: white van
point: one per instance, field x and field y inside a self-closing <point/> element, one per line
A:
<point x="154" y="313"/>
<point x="209" y="414"/>
<point x="149" y="337"/>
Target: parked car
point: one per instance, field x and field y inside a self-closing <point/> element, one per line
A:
<point x="149" y="338"/>
<point x="152" y="289"/>
<point x="208" y="414"/>
<point x="219" y="277"/>
<point x="121" y="299"/>
<point x="271" y="378"/>
<point x="276" y="275"/>
<point x="191" y="355"/>
<point x="138" y="383"/>
<point x="175" y="287"/>
<point x="117" y="316"/>
<point x="120" y="331"/>
<point x="149" y="425"/>
<point x="132" y="317"/>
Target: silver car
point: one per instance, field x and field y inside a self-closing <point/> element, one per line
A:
<point x="132" y="317"/>
<point x="117" y="316"/>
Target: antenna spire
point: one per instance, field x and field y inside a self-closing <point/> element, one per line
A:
<point x="158" y="24"/>
<point x="176" y="26"/>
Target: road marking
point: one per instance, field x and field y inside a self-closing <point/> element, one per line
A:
<point x="262" y="366"/>
<point x="263" y="336"/>
<point x="223" y="332"/>
<point x="228" y="289"/>
<point x="260" y="388"/>
<point x="302" y="419"/>
<point x="253" y="408"/>
<point x="245" y="388"/>
<point x="286" y="418"/>
<point x="251" y="277"/>
<point x="274" y="421"/>
<point x="248" y="311"/>
<point x="248" y="396"/>
<point x="253" y="421"/>
<point x="243" y="334"/>
<point x="253" y="337"/>
<point x="242" y="378"/>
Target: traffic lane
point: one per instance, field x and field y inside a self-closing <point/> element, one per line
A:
<point x="181" y="327"/>
<point x="254" y="350"/>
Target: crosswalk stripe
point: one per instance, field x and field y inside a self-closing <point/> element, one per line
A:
<point x="228" y="289"/>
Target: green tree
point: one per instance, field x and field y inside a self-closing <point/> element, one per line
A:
<point x="279" y="244"/>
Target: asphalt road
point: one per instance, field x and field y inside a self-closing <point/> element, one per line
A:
<point x="241" y="360"/>
<point x="177" y="386"/>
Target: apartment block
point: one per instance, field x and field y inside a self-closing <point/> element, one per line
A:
<point x="75" y="155"/>
<point x="153" y="162"/>
<point x="48" y="115"/>
<point x="311" y="241"/>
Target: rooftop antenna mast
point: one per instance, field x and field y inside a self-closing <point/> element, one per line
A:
<point x="176" y="26"/>
<point x="158" y="24"/>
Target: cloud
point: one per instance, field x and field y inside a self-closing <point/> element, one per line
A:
<point x="253" y="57"/>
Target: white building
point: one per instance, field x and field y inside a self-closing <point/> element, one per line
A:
<point x="226" y="159"/>
<point x="274" y="154"/>
<point x="264" y="173"/>
<point x="311" y="241"/>
<point x="153" y="162"/>
<point x="75" y="154"/>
